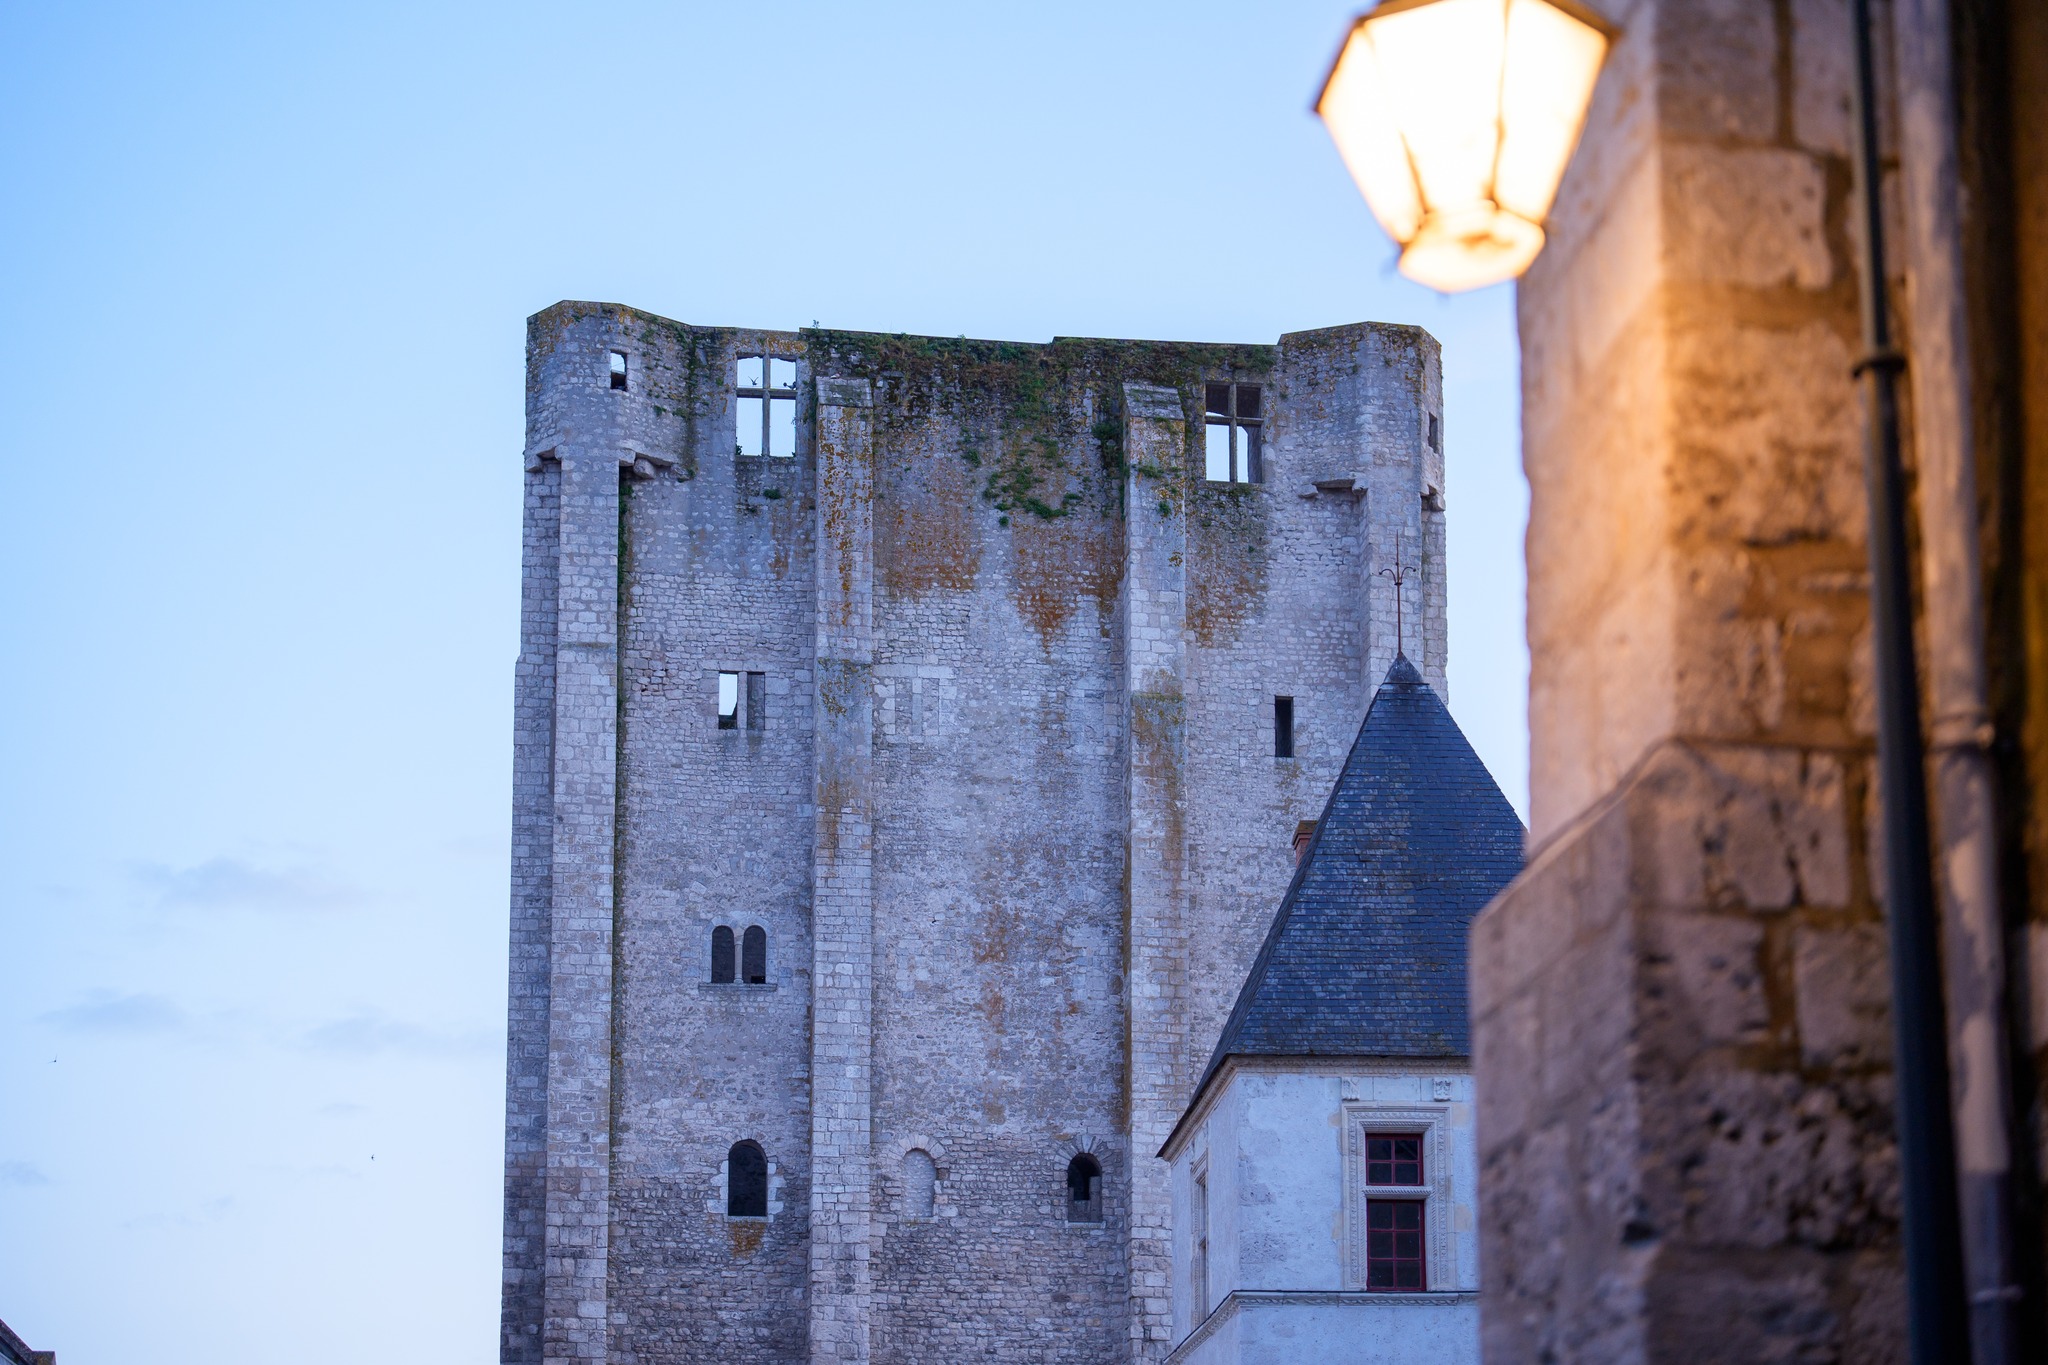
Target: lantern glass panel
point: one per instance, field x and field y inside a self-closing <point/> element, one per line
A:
<point x="1552" y="62"/>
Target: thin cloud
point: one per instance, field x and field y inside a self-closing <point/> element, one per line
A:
<point x="231" y="883"/>
<point x="105" y="1012"/>
<point x="21" y="1173"/>
<point x="367" y="1033"/>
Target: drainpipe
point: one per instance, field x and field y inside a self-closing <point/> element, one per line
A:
<point x="1953" y="615"/>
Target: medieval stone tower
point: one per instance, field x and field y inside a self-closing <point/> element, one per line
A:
<point x="911" y="734"/>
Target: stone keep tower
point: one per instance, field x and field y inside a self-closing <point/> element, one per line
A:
<point x="910" y="737"/>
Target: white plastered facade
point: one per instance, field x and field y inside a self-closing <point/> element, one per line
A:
<point x="1277" y="1145"/>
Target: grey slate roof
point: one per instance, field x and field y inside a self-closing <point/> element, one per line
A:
<point x="1366" y="956"/>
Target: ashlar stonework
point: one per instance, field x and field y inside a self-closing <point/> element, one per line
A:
<point x="967" y="704"/>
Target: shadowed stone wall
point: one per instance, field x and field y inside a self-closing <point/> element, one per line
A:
<point x="1682" y="1043"/>
<point x="1012" y="819"/>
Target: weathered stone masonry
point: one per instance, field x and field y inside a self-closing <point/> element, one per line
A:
<point x="1010" y="816"/>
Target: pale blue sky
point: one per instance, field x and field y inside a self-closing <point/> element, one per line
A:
<point x="263" y="274"/>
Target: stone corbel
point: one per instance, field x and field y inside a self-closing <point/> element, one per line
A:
<point x="644" y="464"/>
<point x="1346" y="488"/>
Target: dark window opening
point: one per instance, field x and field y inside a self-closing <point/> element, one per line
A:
<point x="766" y="391"/>
<point x="1084" y="1189"/>
<point x="618" y="369"/>
<point x="1199" y="1271"/>
<point x="746" y="1181"/>
<point x="1393" y="1159"/>
<point x="728" y="701"/>
<point x="1283" y="727"/>
<point x="754" y="956"/>
<point x="1393" y="1244"/>
<point x="1233" y="432"/>
<point x="757" y="701"/>
<point x="1435" y="434"/>
<point x="721" y="956"/>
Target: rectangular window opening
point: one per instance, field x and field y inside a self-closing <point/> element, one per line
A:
<point x="1233" y="433"/>
<point x="728" y="701"/>
<point x="1200" y="1269"/>
<point x="1393" y="1245"/>
<point x="757" y="701"/>
<point x="781" y="428"/>
<point x="618" y="369"/>
<point x="750" y="426"/>
<point x="1435" y="434"/>
<point x="1283" y="727"/>
<point x="765" y="415"/>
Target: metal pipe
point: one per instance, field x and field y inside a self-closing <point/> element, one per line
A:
<point x="1966" y="872"/>
<point x="1937" y="1316"/>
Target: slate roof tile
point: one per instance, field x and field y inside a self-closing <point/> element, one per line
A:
<point x="1366" y="956"/>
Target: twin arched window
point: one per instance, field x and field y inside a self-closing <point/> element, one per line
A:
<point x="746" y="1179"/>
<point x="753" y="956"/>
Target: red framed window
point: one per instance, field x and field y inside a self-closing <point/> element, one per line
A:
<point x="1394" y="1258"/>
<point x="1394" y="1159"/>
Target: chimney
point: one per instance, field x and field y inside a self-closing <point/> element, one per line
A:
<point x="1304" y="831"/>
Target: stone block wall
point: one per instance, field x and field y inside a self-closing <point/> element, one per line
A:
<point x="1012" y="821"/>
<point x="1681" y="1039"/>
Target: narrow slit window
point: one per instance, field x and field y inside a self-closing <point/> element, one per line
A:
<point x="728" y="701"/>
<point x="721" y="956"/>
<point x="1283" y="727"/>
<point x="1436" y="436"/>
<point x="746" y="1181"/>
<point x="1233" y="433"/>
<point x="1199" y="1271"/>
<point x="618" y="369"/>
<point x="754" y="956"/>
<point x="757" y="701"/>
<point x="1084" y="1189"/>
<point x="920" y="1183"/>
<point x="765" y="412"/>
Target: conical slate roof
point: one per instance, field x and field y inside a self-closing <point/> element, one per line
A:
<point x="1366" y="956"/>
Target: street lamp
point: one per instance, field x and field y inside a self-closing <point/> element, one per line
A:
<point x="1456" y="118"/>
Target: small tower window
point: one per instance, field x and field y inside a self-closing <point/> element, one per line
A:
<point x="1233" y="430"/>
<point x="1283" y="727"/>
<point x="920" y="1179"/>
<point x="765" y="391"/>
<point x="754" y="956"/>
<point x="746" y="1181"/>
<point x="1084" y="1189"/>
<point x="618" y="369"/>
<point x="1436" y="438"/>
<point x="721" y="956"/>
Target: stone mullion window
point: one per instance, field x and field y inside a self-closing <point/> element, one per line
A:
<point x="766" y="388"/>
<point x="1398" y="1199"/>
<point x="1234" y="433"/>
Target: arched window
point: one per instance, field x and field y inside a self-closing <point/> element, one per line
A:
<point x="746" y="1181"/>
<point x="919" y="1177"/>
<point x="754" y="956"/>
<point x="1084" y="1189"/>
<point x="721" y="955"/>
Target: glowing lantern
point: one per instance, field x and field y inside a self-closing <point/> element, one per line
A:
<point x="1456" y="118"/>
